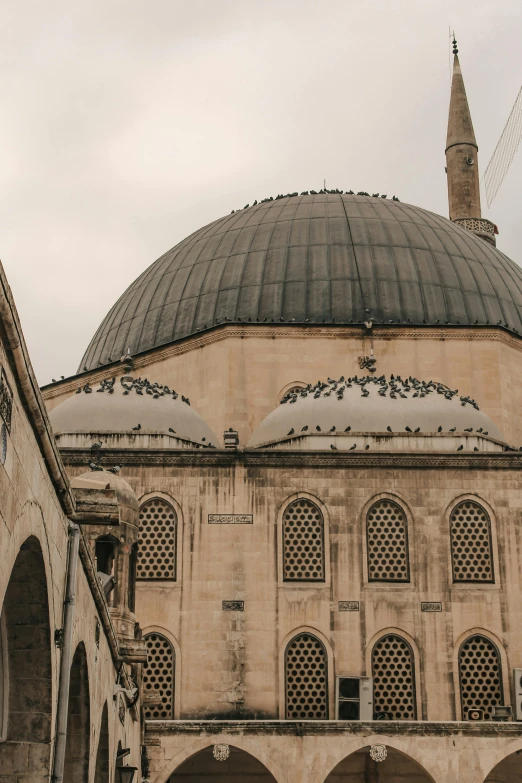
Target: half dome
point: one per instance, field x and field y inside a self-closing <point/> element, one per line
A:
<point x="132" y="407"/>
<point x="372" y="405"/>
<point x="314" y="258"/>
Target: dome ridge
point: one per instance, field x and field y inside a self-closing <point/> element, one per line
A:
<point x="320" y="258"/>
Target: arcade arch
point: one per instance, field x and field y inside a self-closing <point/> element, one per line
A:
<point x="359" y="767"/>
<point x="239" y="767"/>
<point x="77" y="744"/>
<point x="27" y="666"/>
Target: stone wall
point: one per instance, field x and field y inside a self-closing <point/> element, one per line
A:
<point x="236" y="376"/>
<point x="34" y="536"/>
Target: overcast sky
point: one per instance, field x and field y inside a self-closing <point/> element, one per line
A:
<point x="127" y="125"/>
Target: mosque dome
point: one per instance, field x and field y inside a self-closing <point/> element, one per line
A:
<point x="133" y="407"/>
<point x="319" y="258"/>
<point x="371" y="405"/>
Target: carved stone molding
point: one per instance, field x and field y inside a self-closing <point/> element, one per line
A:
<point x="221" y="752"/>
<point x="378" y="752"/>
<point x="297" y="331"/>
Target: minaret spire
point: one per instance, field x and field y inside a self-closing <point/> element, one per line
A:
<point x="461" y="151"/>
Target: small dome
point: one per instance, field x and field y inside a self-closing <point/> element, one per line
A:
<point x="121" y="405"/>
<point x="104" y="479"/>
<point x="371" y="405"/>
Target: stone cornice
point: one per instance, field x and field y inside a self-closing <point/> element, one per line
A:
<point x="288" y="331"/>
<point x="331" y="727"/>
<point x="282" y="459"/>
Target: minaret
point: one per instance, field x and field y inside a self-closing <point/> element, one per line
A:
<point x="462" y="161"/>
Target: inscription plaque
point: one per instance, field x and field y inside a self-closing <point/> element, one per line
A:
<point x="431" y="606"/>
<point x="230" y="519"/>
<point x="348" y="606"/>
<point x="233" y="606"/>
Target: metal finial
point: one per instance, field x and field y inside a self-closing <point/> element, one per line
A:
<point x="455" y="49"/>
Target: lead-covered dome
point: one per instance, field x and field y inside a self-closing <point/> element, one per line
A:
<point x="314" y="258"/>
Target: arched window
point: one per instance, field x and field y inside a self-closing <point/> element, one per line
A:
<point x="480" y="674"/>
<point x="393" y="671"/>
<point x="303" y="542"/>
<point x="158" y="678"/>
<point x="387" y="543"/>
<point x="157" y="545"/>
<point x="306" y="679"/>
<point x="471" y="550"/>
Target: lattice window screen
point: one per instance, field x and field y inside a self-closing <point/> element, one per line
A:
<point x="303" y="542"/>
<point x="306" y="679"/>
<point x="393" y="678"/>
<point x="158" y="677"/>
<point x="471" y="550"/>
<point x="157" y="546"/>
<point x="387" y="541"/>
<point x="480" y="676"/>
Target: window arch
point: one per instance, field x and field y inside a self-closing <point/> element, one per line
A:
<point x="471" y="547"/>
<point x="159" y="678"/>
<point x="480" y="675"/>
<point x="303" y="542"/>
<point x="393" y="671"/>
<point x="306" y="678"/>
<point x="387" y="542"/>
<point x="157" y="544"/>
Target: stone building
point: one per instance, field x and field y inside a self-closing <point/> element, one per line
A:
<point x="313" y="407"/>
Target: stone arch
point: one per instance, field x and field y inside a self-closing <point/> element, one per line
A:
<point x="77" y="746"/>
<point x="102" y="768"/>
<point x="27" y="666"/>
<point x="240" y="765"/>
<point x="507" y="769"/>
<point x="358" y="767"/>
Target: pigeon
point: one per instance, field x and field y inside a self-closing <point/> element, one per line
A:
<point x="367" y="447"/>
<point x="171" y="430"/>
<point x="476" y="448"/>
<point x="291" y="432"/>
<point x="96" y="445"/>
<point x="389" y="428"/>
<point x="93" y="466"/>
<point x="485" y="432"/>
<point x="408" y="429"/>
<point x="479" y="429"/>
<point x="333" y="429"/>
<point x="460" y="447"/>
<point x="333" y="446"/>
<point x="453" y="429"/>
<point x="54" y="380"/>
<point x="305" y="428"/>
<point x="137" y="427"/>
<point x="418" y="429"/>
<point x="468" y="429"/>
<point x="439" y="429"/>
<point x="116" y="469"/>
<point x="318" y="428"/>
<point x="348" y="429"/>
<point x="353" y="447"/>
